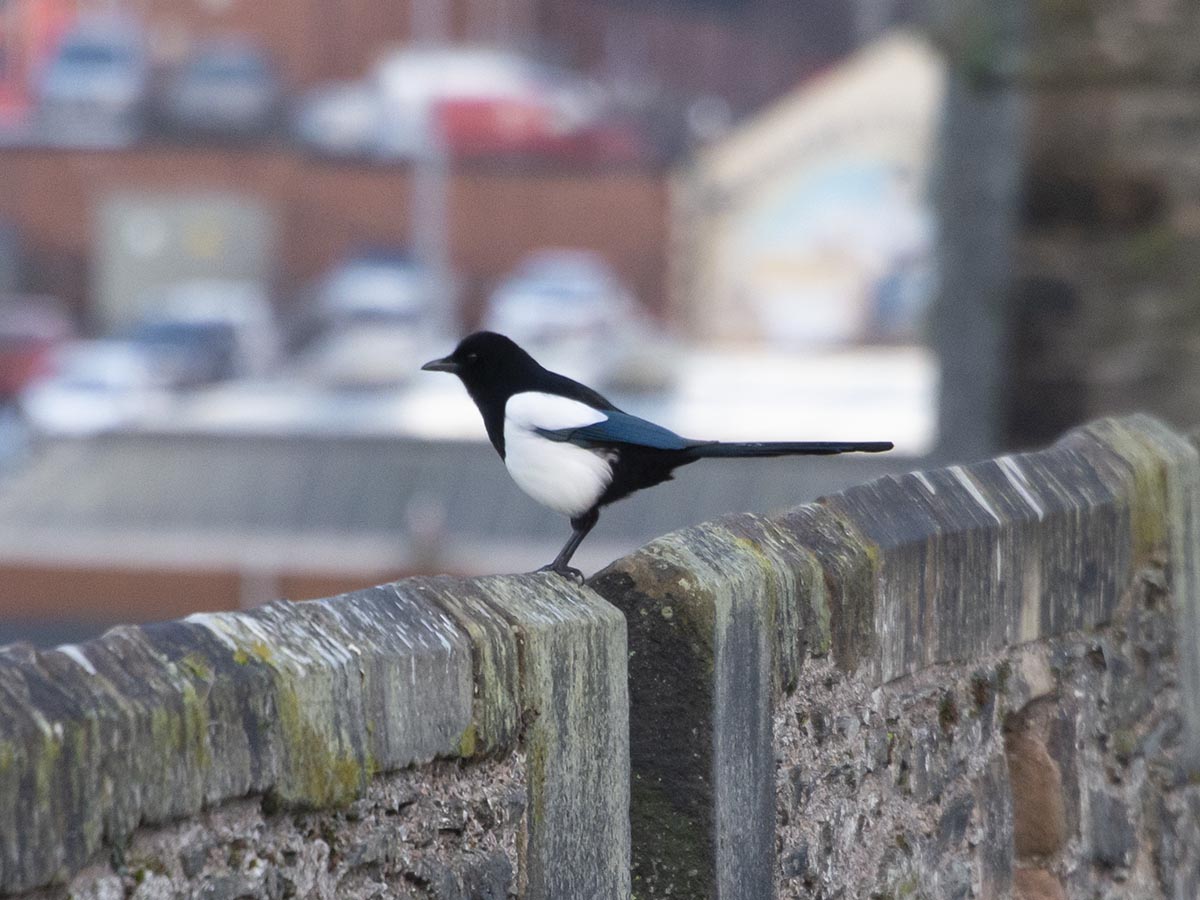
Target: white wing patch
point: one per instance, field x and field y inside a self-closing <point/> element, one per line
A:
<point x="557" y="474"/>
<point x="549" y="412"/>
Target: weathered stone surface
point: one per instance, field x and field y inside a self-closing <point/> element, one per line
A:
<point x="1043" y="536"/>
<point x="938" y="814"/>
<point x="1111" y="832"/>
<point x="305" y="704"/>
<point x="417" y="833"/>
<point x="576" y="738"/>
<point x="706" y="609"/>
<point x="950" y="592"/>
<point x="877" y="695"/>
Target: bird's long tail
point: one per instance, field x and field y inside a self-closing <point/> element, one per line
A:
<point x="787" y="448"/>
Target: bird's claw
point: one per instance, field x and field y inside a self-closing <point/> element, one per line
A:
<point x="567" y="572"/>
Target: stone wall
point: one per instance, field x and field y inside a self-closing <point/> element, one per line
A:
<point x="955" y="683"/>
<point x="981" y="681"/>
<point x="1106" y="271"/>
<point x="330" y="715"/>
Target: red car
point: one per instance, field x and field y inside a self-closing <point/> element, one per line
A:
<point x="480" y="128"/>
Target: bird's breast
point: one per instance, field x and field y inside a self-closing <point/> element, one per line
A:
<point x="558" y="474"/>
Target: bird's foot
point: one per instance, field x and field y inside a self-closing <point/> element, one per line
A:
<point x="567" y="572"/>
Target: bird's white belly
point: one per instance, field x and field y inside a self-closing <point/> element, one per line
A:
<point x="557" y="474"/>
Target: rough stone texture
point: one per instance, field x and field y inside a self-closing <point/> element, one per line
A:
<point x="448" y="832"/>
<point x="893" y="584"/>
<point x="713" y="632"/>
<point x="304" y="704"/>
<point x="575" y="697"/>
<point x="903" y="790"/>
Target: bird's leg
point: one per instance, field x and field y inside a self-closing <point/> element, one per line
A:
<point x="581" y="525"/>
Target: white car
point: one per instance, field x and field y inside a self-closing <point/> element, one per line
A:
<point x="373" y="315"/>
<point x="93" y="91"/>
<point x="97" y="386"/>
<point x="343" y="118"/>
<point x="573" y="313"/>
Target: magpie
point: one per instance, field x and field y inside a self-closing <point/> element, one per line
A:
<point x="572" y="450"/>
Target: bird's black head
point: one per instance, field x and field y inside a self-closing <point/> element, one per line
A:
<point x="488" y="363"/>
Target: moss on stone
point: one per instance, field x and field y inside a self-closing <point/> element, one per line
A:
<point x="467" y="741"/>
<point x="45" y="764"/>
<point x="197" y="666"/>
<point x="948" y="712"/>
<point x="535" y="777"/>
<point x="316" y="776"/>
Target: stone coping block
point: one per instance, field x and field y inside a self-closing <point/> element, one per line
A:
<point x="889" y="578"/>
<point x="303" y="703"/>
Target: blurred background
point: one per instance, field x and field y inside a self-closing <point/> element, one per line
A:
<point x="232" y="230"/>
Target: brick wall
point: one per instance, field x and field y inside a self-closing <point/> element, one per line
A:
<point x="497" y="214"/>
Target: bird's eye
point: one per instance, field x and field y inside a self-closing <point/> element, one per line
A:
<point x="471" y="357"/>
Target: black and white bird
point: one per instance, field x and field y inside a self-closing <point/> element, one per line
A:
<point x="570" y="449"/>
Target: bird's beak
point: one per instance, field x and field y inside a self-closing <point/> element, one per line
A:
<point x="445" y="364"/>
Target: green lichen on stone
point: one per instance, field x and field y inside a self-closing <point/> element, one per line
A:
<point x="535" y="776"/>
<point x="948" y="713"/>
<point x="1124" y="745"/>
<point x="182" y="731"/>
<point x="196" y="666"/>
<point x="1147" y="497"/>
<point x="316" y="775"/>
<point x="255" y="650"/>
<point x="467" y="741"/>
<point x="45" y="765"/>
<point x="141" y="867"/>
<point x="820" y="637"/>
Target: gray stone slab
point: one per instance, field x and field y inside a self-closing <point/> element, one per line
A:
<point x="708" y="609"/>
<point x="574" y="699"/>
<point x="303" y="702"/>
<point x="1048" y="538"/>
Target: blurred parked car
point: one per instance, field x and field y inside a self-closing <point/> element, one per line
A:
<point x="374" y="284"/>
<point x="97" y="386"/>
<point x="188" y="354"/>
<point x="243" y="307"/>
<point x="487" y="89"/>
<point x="533" y="127"/>
<point x="340" y="119"/>
<point x="93" y="91"/>
<point x="558" y="294"/>
<point x="31" y="330"/>
<point x="224" y="88"/>
<point x="569" y="309"/>
<point x="373" y="314"/>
